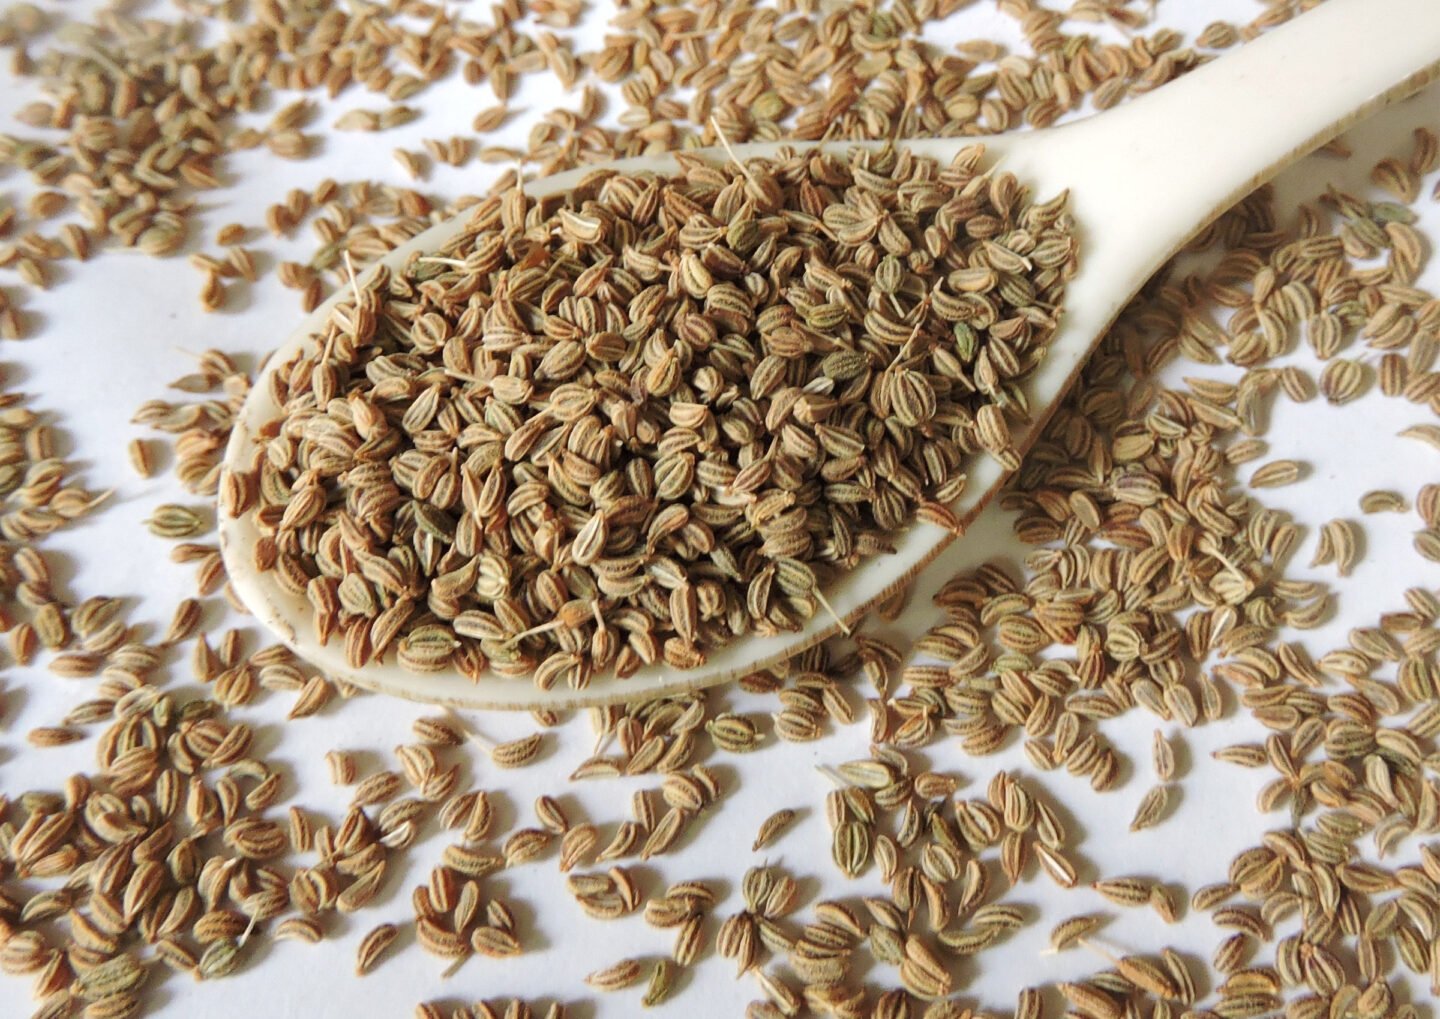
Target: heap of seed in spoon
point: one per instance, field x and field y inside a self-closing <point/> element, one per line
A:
<point x="637" y="420"/>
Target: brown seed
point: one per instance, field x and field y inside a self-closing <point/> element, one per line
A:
<point x="142" y="460"/>
<point x="1070" y="931"/>
<point x="373" y="946"/>
<point x="342" y="767"/>
<point x="689" y="940"/>
<point x="495" y="942"/>
<point x="1428" y="434"/>
<point x="438" y="732"/>
<point x="771" y="828"/>
<point x="1343" y="381"/>
<point x="1383" y="502"/>
<point x="1276" y="473"/>
<point x="1162" y="757"/>
<point x="551" y="815"/>
<point x="313" y="696"/>
<point x="1056" y="865"/>
<point x="172" y="521"/>
<point x="1152" y="808"/>
<point x="1126" y="891"/>
<point x="184" y="623"/>
<point x="517" y="753"/>
<point x="438" y="941"/>
<point x="613" y="978"/>
<point x="53" y="736"/>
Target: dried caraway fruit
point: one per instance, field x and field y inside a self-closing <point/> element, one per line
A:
<point x="1120" y="659"/>
<point x="1383" y="501"/>
<point x="1153" y="807"/>
<point x="613" y="978"/>
<point x="173" y="521"/>
<point x="771" y="828"/>
<point x="373" y="945"/>
<point x="1074" y="929"/>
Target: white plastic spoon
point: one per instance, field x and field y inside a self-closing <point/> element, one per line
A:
<point x="1144" y="179"/>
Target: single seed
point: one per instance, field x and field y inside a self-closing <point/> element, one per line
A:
<point x="372" y="946"/>
<point x="1428" y="434"/>
<point x="1276" y="473"/>
<point x="1162" y="757"/>
<point x="1152" y="808"/>
<point x="1383" y="501"/>
<point x="771" y="828"/>
<point x="172" y="521"/>
<point x="659" y="985"/>
<point x="1074" y="929"/>
<point x="142" y="460"/>
<point x="613" y="978"/>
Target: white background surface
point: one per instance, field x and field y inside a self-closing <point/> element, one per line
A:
<point x="112" y="335"/>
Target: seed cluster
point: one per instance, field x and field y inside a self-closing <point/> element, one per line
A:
<point x="182" y="845"/>
<point x="649" y="416"/>
<point x="150" y="109"/>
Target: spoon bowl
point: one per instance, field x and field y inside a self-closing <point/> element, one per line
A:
<point x="1144" y="179"/>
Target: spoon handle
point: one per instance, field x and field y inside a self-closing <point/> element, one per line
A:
<point x="1156" y="171"/>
